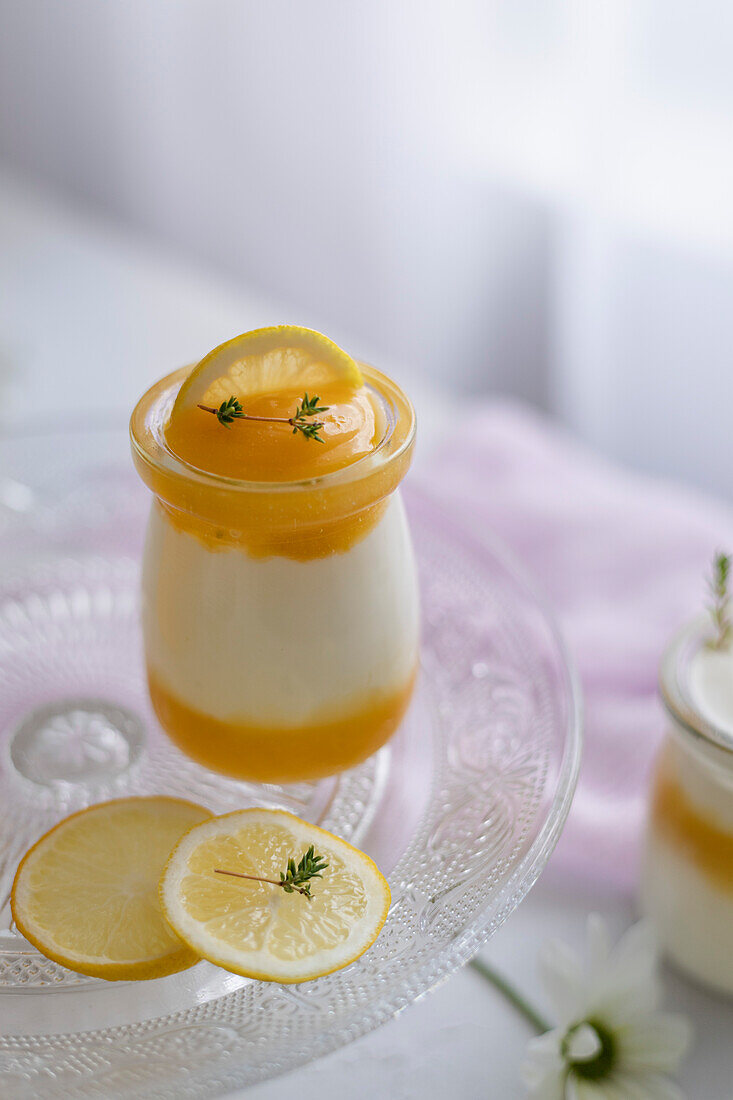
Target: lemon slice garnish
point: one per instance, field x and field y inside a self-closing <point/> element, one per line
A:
<point x="256" y="928"/>
<point x="86" y="894"/>
<point x="267" y="360"/>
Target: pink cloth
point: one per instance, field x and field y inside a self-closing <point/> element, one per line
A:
<point x="622" y="559"/>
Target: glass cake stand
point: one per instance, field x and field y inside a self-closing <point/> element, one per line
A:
<point x="461" y="811"/>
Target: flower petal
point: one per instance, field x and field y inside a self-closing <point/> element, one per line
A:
<point x="582" y="1043"/>
<point x="655" y="1044"/>
<point x="626" y="986"/>
<point x="619" y="1002"/>
<point x="562" y="976"/>
<point x="544" y="1071"/>
<point x="580" y="1089"/>
<point x="637" y="946"/>
<point x="599" y="942"/>
<point x="647" y="1086"/>
<point x="634" y="964"/>
<point x="625" y="1086"/>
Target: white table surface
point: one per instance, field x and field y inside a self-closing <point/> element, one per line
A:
<point x="89" y="316"/>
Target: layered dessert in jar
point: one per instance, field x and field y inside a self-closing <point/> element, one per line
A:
<point x="280" y="605"/>
<point x="687" y="882"/>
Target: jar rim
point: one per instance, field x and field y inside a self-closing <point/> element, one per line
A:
<point x="675" y="690"/>
<point x="250" y="507"/>
<point x="151" y="451"/>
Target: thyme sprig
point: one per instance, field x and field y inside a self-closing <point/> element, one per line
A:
<point x="296" y="877"/>
<point x="308" y="407"/>
<point x="231" y="410"/>
<point x="228" y="411"/>
<point x="720" y="606"/>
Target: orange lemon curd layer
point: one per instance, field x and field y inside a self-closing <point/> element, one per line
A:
<point x="302" y="542"/>
<point x="260" y="450"/>
<point x="281" y="755"/>
<point x="694" y="836"/>
<point x="257" y="487"/>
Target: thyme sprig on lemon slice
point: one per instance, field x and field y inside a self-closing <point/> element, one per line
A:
<point x="295" y="879"/>
<point x="231" y="410"/>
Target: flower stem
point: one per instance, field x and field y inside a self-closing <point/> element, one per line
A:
<point x="515" y="998"/>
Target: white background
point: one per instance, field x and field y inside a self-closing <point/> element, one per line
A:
<point x="534" y="197"/>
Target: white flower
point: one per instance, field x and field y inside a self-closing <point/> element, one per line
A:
<point x="611" y="1043"/>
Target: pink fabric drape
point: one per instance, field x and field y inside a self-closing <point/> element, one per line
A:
<point x="622" y="558"/>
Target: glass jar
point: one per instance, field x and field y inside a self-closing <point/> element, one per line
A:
<point x="280" y="619"/>
<point x="687" y="877"/>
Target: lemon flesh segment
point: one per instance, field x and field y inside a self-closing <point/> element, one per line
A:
<point x="255" y="928"/>
<point x="267" y="360"/>
<point x="86" y="894"/>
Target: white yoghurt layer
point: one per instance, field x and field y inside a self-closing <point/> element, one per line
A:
<point x="692" y="914"/>
<point x="692" y="918"/>
<point x="278" y="642"/>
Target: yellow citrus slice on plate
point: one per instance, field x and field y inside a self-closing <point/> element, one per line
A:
<point x="256" y="928"/>
<point x="86" y="894"/>
<point x="267" y="360"/>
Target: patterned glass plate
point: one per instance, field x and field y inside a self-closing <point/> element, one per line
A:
<point x="461" y="810"/>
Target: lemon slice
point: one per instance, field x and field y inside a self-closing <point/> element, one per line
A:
<point x="267" y="360"/>
<point x="255" y="928"/>
<point x="86" y="894"/>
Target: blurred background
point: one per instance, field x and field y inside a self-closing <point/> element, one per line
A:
<point x="491" y="199"/>
<point x="532" y="199"/>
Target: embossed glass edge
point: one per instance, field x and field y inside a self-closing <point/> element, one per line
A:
<point x="222" y="1078"/>
<point x="433" y="973"/>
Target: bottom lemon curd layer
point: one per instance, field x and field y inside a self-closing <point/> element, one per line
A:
<point x="270" y="754"/>
<point x="694" y="836"/>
